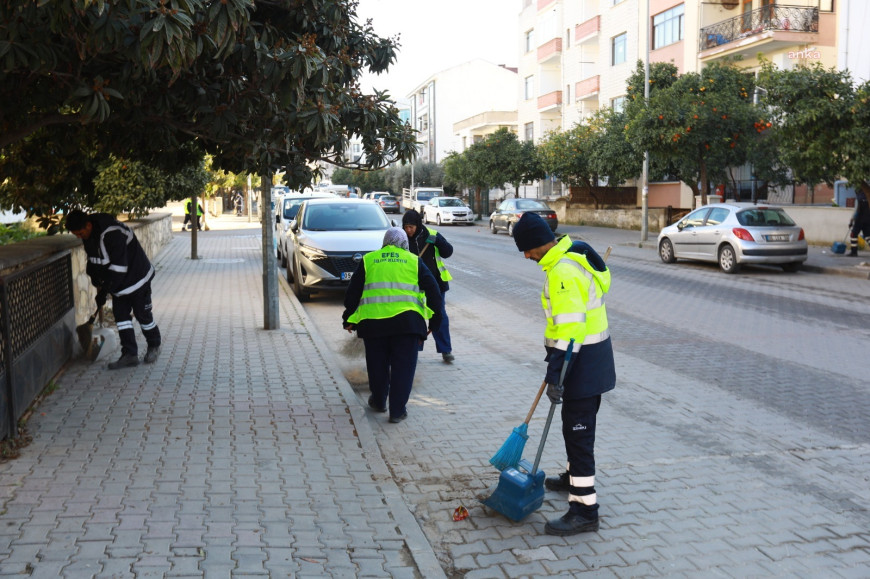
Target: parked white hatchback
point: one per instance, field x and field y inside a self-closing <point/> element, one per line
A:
<point x="733" y="234"/>
<point x="447" y="210"/>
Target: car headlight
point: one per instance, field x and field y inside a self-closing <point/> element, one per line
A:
<point x="310" y="252"/>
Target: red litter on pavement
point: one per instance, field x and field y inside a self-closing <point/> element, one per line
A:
<point x="460" y="513"/>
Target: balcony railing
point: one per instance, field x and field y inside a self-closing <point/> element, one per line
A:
<point x="790" y="18"/>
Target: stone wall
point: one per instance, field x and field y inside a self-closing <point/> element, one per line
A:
<point x="626" y="218"/>
<point x="153" y="232"/>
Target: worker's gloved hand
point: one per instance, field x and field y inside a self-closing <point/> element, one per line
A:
<point x="554" y="393"/>
<point x="430" y="239"/>
<point x="101" y="298"/>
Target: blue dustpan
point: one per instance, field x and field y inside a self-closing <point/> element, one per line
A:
<point x="518" y="493"/>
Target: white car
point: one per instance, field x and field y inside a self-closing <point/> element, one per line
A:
<point x="286" y="207"/>
<point x="327" y="240"/>
<point x="447" y="210"/>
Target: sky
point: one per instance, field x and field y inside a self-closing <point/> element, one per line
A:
<point x="440" y="34"/>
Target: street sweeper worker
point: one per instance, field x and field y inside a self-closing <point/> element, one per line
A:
<point x="433" y="248"/>
<point x="117" y="265"/>
<point x="390" y="297"/>
<point x="860" y="222"/>
<point x="573" y="300"/>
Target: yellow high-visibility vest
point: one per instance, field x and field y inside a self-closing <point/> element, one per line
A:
<point x="390" y="286"/>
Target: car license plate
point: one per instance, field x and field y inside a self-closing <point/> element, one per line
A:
<point x="776" y="237"/>
<point x="346" y="275"/>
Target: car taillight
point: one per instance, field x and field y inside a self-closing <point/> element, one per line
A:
<point x="801" y="234"/>
<point x="741" y="233"/>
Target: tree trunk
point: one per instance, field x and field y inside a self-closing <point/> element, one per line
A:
<point x="705" y="184"/>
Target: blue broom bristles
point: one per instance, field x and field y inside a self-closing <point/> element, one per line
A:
<point x="511" y="451"/>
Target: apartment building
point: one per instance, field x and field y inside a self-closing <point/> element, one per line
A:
<point x="472" y="88"/>
<point x="576" y="56"/>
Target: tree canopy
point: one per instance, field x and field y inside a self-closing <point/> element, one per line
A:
<point x="262" y="86"/>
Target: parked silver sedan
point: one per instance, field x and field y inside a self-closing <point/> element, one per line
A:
<point x="733" y="234"/>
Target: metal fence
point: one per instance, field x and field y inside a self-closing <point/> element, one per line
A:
<point x="37" y="325"/>
<point x="792" y="18"/>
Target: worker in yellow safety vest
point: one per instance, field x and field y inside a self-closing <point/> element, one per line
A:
<point x="573" y="302"/>
<point x="390" y="297"/>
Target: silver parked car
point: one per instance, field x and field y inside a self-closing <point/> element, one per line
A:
<point x="328" y="239"/>
<point x="732" y="234"/>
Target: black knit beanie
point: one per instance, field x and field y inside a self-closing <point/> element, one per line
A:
<point x="411" y="217"/>
<point x="532" y="231"/>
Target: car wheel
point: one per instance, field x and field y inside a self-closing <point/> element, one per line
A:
<point x="666" y="251"/>
<point x="791" y="267"/>
<point x="301" y="293"/>
<point x="492" y="228"/>
<point x="438" y="220"/>
<point x="728" y="259"/>
<point x="511" y="229"/>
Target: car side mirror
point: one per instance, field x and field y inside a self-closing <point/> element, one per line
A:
<point x="294" y="226"/>
<point x="278" y="219"/>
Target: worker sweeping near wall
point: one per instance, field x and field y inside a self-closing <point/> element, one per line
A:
<point x="860" y="222"/>
<point x="573" y="301"/>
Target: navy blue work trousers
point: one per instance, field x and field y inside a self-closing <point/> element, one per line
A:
<point x="138" y="304"/>
<point x="579" y="418"/>
<point x="391" y="362"/>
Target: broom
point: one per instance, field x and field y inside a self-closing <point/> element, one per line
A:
<point x="511" y="451"/>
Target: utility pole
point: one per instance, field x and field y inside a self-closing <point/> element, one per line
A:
<point x="271" y="320"/>
<point x="644" y="195"/>
<point x="194" y="225"/>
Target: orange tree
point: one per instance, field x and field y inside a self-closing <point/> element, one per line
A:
<point x="818" y="123"/>
<point x="696" y="124"/>
<point x="262" y="86"/>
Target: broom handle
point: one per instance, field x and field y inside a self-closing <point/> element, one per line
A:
<point x="535" y="403"/>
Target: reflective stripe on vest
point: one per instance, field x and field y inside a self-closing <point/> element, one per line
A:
<point x="390" y="286"/>
<point x="439" y="263"/>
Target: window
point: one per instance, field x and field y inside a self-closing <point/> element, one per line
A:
<point x="528" y="87"/>
<point x="567" y="39"/>
<point x="617" y="104"/>
<point x="695" y="218"/>
<point x="617" y="49"/>
<point x="530" y="40"/>
<point x="568" y="93"/>
<point x="669" y="26"/>
<point x="529" y="131"/>
<point x="717" y="216"/>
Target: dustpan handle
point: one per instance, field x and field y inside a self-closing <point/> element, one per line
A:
<point x="552" y="408"/>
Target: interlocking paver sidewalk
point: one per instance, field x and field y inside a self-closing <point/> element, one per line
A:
<point x="236" y="454"/>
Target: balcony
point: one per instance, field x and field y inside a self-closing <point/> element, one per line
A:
<point x="588" y="88"/>
<point x="550" y="51"/>
<point x="550" y="101"/>
<point x="777" y="23"/>
<point x="587" y="30"/>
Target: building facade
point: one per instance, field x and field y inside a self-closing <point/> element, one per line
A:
<point x="452" y="95"/>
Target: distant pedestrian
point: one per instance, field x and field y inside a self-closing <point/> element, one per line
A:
<point x="433" y="248"/>
<point x="860" y="223"/>
<point x="391" y="296"/>
<point x="187" y="219"/>
<point x="238" y="200"/>
<point x="117" y="265"/>
<point x="573" y="299"/>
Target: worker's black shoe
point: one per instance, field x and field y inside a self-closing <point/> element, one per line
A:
<point x="152" y="354"/>
<point x="397" y="419"/>
<point x="125" y="361"/>
<point x="558" y="483"/>
<point x="373" y="405"/>
<point x="447" y="357"/>
<point x="571" y="524"/>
